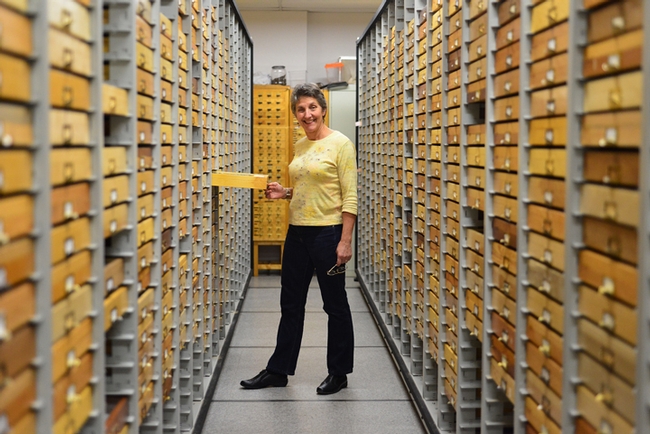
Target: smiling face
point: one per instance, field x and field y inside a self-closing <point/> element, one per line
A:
<point x="310" y="116"/>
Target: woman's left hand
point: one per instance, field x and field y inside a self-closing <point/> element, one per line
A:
<point x="343" y="252"/>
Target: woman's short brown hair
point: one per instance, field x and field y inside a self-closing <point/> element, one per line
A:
<point x="310" y="90"/>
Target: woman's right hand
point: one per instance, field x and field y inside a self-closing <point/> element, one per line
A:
<point x="274" y="190"/>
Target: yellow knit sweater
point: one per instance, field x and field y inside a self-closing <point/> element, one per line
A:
<point x="324" y="179"/>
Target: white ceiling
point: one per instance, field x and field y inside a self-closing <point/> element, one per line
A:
<point x="309" y="5"/>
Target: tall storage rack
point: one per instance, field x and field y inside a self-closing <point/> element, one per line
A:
<point x="120" y="266"/>
<point x="272" y="153"/>
<point x="508" y="263"/>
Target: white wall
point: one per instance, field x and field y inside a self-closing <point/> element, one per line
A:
<point x="303" y="42"/>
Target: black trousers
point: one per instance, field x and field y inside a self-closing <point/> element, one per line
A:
<point x="307" y="248"/>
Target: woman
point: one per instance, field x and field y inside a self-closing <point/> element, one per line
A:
<point x="322" y="215"/>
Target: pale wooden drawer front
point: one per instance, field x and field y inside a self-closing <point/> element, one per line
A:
<point x="69" y="312"/>
<point x="115" y="219"/>
<point x="600" y="415"/>
<point x="614" y="204"/>
<point x="547" y="280"/>
<point x="546" y="250"/>
<point x="549" y="102"/>
<point x="69" y="91"/>
<point x="506" y="158"/>
<point x="548" y="14"/>
<point x="608" y="388"/>
<point x="548" y="343"/>
<point x="114" y="306"/>
<point x="609" y="314"/>
<point x="71" y="17"/>
<point x="68" y="276"/>
<point x="612" y="278"/>
<point x="546" y="310"/>
<point x="505" y="307"/>
<point x="616" y="18"/>
<point x="549" y="72"/>
<point x="114" y="160"/>
<point x="613" y="129"/>
<point x="70" y="165"/>
<point x="15" y="125"/>
<point x="16" y="32"/>
<point x="547" y="191"/>
<point x="617" y="54"/>
<point x="550" y="42"/>
<point x="114" y="100"/>
<point x="143" y="31"/>
<point x="607" y="349"/>
<point x="116" y="190"/>
<point x="548" y="371"/>
<point x="69" y="127"/>
<point x="69" y="53"/>
<point x="145" y="108"/>
<point x="69" y="239"/>
<point x="550" y="402"/>
<point x="538" y="420"/>
<point x="614" y="240"/>
<point x="614" y="93"/>
<point x="548" y="131"/>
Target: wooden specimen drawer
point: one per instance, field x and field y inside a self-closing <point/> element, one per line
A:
<point x="548" y="343"/>
<point x="613" y="93"/>
<point x="475" y="240"/>
<point x="547" y="280"/>
<point x="69" y="312"/>
<point x="13" y="71"/>
<point x="504" y="356"/>
<point x="478" y="28"/>
<point x="504" y="306"/>
<point x="146" y="182"/>
<point x="508" y="34"/>
<point x="540" y="391"/>
<point x="69" y="91"/>
<point x="599" y="414"/>
<point x="70" y="165"/>
<point x="76" y="413"/>
<point x="547" y="14"/>
<point x="145" y="231"/>
<point x="17" y="307"/>
<point x="16" y="262"/>
<point x="69" y="128"/>
<point x="166" y="177"/>
<point x="114" y="161"/>
<point x="607" y="349"/>
<point x="117" y="411"/>
<point x="474" y="262"/>
<point x="67" y="351"/>
<point x="474" y="325"/>
<point x="550" y="42"/>
<point x="17" y="32"/>
<point x="615" y="168"/>
<point x="506" y="183"/>
<point x="614" y="19"/>
<point x="614" y="204"/>
<point x="548" y="102"/>
<point x="550" y="71"/>
<point x="503" y="381"/>
<point x="614" y="240"/>
<point x="16" y="217"/>
<point x="612" y="278"/>
<point x="505" y="208"/>
<point x="546" y="221"/>
<point x="116" y="190"/>
<point x="114" y="306"/>
<point x="547" y="310"/>
<point x="113" y="274"/>
<point x="548" y="371"/>
<point x="478" y="48"/>
<point x="476" y="156"/>
<point x="144" y="132"/>
<point x="476" y="70"/>
<point x="620" y="53"/>
<point x="506" y="58"/>
<point x="144" y="109"/>
<point x="539" y="420"/>
<point x="608" y="388"/>
<point x="506" y="84"/>
<point x="508" y="10"/>
<point x="17" y="352"/>
<point x="68" y="53"/>
<point x="166" y="91"/>
<point x="548" y="131"/>
<point x="504" y="331"/>
<point x="547" y="191"/>
<point x="65" y="390"/>
<point x="69" y="239"/>
<point x="506" y="109"/>
<point x="16" y="399"/>
<point x="15" y="125"/>
<point x="548" y="162"/>
<point x="505" y="282"/>
<point x="546" y="250"/>
<point x="115" y="219"/>
<point x="474" y="304"/>
<point x="506" y="133"/>
<point x="69" y="275"/>
<point x="115" y="100"/>
<point x="612" y="129"/>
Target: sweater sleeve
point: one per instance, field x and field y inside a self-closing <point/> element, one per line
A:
<point x="347" y="171"/>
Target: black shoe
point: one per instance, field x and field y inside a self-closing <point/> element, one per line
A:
<point x="332" y="384"/>
<point x="265" y="379"/>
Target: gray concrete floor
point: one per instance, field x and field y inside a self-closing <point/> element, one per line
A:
<point x="375" y="401"/>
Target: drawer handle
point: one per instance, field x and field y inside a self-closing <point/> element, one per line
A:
<point x="607" y="287"/>
<point x="614" y="246"/>
<point x="550" y="166"/>
<point x="68" y="96"/>
<point x="607" y="322"/>
<point x="67" y="133"/>
<point x="618" y="23"/>
<point x="68" y="58"/>
<point x="610" y="210"/>
<point x="615" y="100"/>
<point x="545" y="349"/>
<point x="606" y="398"/>
<point x="552" y="15"/>
<point x="66" y="19"/>
<point x="68" y="171"/>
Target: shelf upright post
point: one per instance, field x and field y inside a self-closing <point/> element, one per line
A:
<point x="122" y="362"/>
<point x="643" y="315"/>
<point x="42" y="277"/>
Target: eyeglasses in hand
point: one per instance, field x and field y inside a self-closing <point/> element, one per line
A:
<point x="336" y="269"/>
